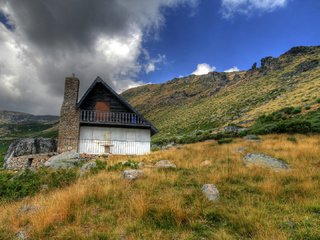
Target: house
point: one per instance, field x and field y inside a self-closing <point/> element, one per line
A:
<point x="102" y="122"/>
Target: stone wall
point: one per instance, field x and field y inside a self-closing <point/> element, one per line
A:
<point x="29" y="146"/>
<point x="27" y="161"/>
<point x="69" y="126"/>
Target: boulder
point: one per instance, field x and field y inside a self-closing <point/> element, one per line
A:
<point x="30" y="146"/>
<point x="265" y="160"/>
<point x="132" y="174"/>
<point x="87" y="167"/>
<point x="211" y="192"/>
<point x="165" y="164"/>
<point x="64" y="160"/>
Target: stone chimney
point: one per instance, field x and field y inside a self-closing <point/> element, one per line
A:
<point x="69" y="126"/>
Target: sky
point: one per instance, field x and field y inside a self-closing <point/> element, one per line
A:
<point x="134" y="42"/>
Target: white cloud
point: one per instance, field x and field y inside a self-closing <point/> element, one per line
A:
<point x="232" y="7"/>
<point x="152" y="63"/>
<point x="203" y="68"/>
<point x="233" y="69"/>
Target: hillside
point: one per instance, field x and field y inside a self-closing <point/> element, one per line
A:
<point x="255" y="202"/>
<point x="197" y="103"/>
<point x="17" y="124"/>
<point x="20" y="125"/>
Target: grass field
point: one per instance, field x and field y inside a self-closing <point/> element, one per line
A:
<point x="255" y="202"/>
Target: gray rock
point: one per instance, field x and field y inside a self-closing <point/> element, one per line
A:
<point x="165" y="164"/>
<point x="252" y="137"/>
<point x="44" y="187"/>
<point x="265" y="160"/>
<point x="87" y="167"/>
<point x="29" y="146"/>
<point x="27" y="208"/>
<point x="132" y="174"/>
<point x="211" y="192"/>
<point x="240" y="149"/>
<point x="64" y="160"/>
<point x="21" y="235"/>
<point x="233" y="129"/>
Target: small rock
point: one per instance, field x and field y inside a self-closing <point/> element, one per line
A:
<point x="44" y="187"/>
<point x="205" y="163"/>
<point x="132" y="174"/>
<point x="165" y="164"/>
<point x="211" y="192"/>
<point x="252" y="137"/>
<point x="240" y="149"/>
<point x="27" y="208"/>
<point x="87" y="167"/>
<point x="265" y="160"/>
<point x="21" y="235"/>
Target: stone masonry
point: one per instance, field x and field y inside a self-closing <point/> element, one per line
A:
<point x="28" y="161"/>
<point x="69" y="127"/>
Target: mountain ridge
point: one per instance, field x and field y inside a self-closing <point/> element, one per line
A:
<point x="195" y="103"/>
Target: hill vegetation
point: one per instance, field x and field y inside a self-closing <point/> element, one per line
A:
<point x="184" y="106"/>
<point x="255" y="202"/>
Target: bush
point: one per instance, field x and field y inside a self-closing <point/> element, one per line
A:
<point x="292" y="139"/>
<point x="225" y="140"/>
<point x="285" y="121"/>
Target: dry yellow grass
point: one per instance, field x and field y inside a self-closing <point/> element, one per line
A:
<point x="255" y="202"/>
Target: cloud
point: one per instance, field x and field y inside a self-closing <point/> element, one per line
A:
<point x="152" y="63"/>
<point x="203" y="68"/>
<point x="246" y="7"/>
<point x="43" y="41"/>
<point x="233" y="69"/>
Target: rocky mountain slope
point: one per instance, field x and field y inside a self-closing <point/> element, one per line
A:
<point x="7" y="117"/>
<point x="16" y="124"/>
<point x="196" y="103"/>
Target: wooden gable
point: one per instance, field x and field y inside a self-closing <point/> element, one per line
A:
<point x="102" y="99"/>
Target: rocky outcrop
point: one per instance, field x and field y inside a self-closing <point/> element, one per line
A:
<point x="301" y="50"/>
<point x="270" y="63"/>
<point x="29" y="146"/>
<point x="265" y="160"/>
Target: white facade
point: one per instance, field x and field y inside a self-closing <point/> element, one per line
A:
<point x="104" y="140"/>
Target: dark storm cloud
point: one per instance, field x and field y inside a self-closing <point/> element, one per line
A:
<point x="51" y="39"/>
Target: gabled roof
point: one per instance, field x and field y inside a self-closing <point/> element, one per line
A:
<point x="120" y="98"/>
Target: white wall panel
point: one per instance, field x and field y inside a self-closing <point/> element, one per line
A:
<point x="127" y="141"/>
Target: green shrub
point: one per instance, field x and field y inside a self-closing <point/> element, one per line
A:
<point x="225" y="140"/>
<point x="292" y="139"/>
<point x="124" y="165"/>
<point x="318" y="100"/>
<point x="307" y="108"/>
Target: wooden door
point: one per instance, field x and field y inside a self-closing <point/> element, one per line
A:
<point x="102" y="109"/>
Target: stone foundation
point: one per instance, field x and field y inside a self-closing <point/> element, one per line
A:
<point x="27" y="161"/>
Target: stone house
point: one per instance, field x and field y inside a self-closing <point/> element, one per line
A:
<point x="102" y="122"/>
